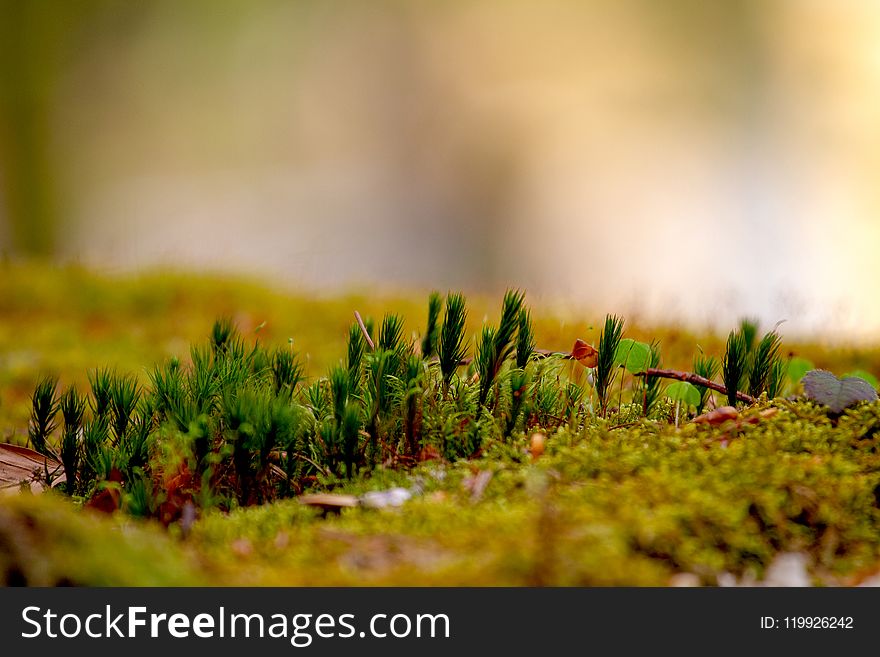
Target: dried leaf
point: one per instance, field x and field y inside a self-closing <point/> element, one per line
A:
<point x="242" y="547"/>
<point x="837" y="394"/>
<point x="178" y="489"/>
<point x="718" y="416"/>
<point x="429" y="453"/>
<point x="106" y="500"/>
<point x="329" y="501"/>
<point x="585" y="354"/>
<point x="20" y="464"/>
<point x="766" y="414"/>
<point x="476" y="484"/>
<point x="536" y="446"/>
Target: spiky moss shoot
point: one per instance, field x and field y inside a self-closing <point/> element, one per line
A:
<point x="706" y="367"/>
<point x="72" y="406"/>
<point x="735" y="365"/>
<point x="651" y="385"/>
<point x="100" y="381"/>
<point x="409" y="396"/>
<point x="525" y="339"/>
<point x="391" y="333"/>
<point x="497" y="344"/>
<point x="356" y="347"/>
<point x="609" y="341"/>
<point x="124" y="396"/>
<point x="766" y="365"/>
<point x="286" y="371"/>
<point x="44" y="407"/>
<point x="432" y="328"/>
<point x="452" y="349"/>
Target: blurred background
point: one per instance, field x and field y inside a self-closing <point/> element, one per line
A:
<point x="674" y="161"/>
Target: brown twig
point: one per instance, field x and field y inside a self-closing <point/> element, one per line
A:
<point x="360" y="322"/>
<point x="542" y="353"/>
<point x="302" y="457"/>
<point x="696" y="380"/>
<point x="546" y="353"/>
<point x="624" y="425"/>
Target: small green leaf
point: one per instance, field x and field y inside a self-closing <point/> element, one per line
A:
<point x="684" y="392"/>
<point x="634" y="356"/>
<point x="798" y="367"/>
<point x="865" y="376"/>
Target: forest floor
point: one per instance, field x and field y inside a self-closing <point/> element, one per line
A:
<point x="787" y="499"/>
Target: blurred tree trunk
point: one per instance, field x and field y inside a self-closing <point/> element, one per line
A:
<point x="31" y="33"/>
<point x="38" y="39"/>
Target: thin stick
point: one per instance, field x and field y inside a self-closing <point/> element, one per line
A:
<point x="695" y="380"/>
<point x="301" y="457"/>
<point x="360" y="322"/>
<point x="624" y="425"/>
<point x="540" y="353"/>
<point x="317" y="467"/>
<point x="545" y="353"/>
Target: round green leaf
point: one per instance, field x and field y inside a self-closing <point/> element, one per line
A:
<point x="634" y="356"/>
<point x="684" y="392"/>
<point x="797" y="367"/>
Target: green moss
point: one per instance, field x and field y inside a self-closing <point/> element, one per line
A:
<point x="619" y="507"/>
<point x="622" y="501"/>
<point x="45" y="541"/>
<point x="602" y="507"/>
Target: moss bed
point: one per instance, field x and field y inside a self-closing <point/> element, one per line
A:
<point x="631" y="506"/>
<point x="613" y="503"/>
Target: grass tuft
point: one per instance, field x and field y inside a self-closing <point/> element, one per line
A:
<point x="609" y="341"/>
<point x="734" y="366"/>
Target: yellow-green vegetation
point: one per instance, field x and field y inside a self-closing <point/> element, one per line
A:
<point x="516" y="466"/>
<point x="45" y="541"/>
<point x="606" y="507"/>
<point x="66" y="322"/>
<point x="70" y="320"/>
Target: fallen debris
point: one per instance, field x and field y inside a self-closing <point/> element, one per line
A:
<point x="536" y="446"/>
<point x="476" y="484"/>
<point x="718" y="416"/>
<point x="377" y="499"/>
<point x="329" y="501"/>
<point x="20" y="466"/>
<point x="694" y="379"/>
